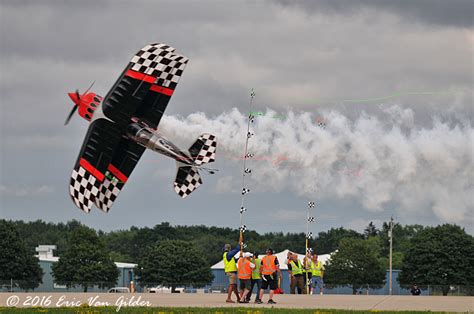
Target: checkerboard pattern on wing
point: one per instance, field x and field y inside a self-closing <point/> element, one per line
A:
<point x="191" y="182"/>
<point x="83" y="188"/>
<point x="108" y="192"/>
<point x="160" y="61"/>
<point x="207" y="153"/>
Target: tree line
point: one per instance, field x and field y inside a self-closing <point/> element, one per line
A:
<point x="442" y="255"/>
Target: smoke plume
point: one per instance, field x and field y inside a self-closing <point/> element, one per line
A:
<point x="380" y="160"/>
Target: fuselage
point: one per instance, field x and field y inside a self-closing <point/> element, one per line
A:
<point x="90" y="104"/>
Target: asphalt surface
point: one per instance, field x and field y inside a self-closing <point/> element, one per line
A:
<point x="348" y="302"/>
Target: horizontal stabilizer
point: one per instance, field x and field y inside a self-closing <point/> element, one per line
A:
<point x="187" y="180"/>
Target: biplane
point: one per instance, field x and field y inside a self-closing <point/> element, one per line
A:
<point x="123" y="124"/>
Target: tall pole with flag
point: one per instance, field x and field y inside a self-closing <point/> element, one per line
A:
<point x="246" y="171"/>
<point x="390" y="235"/>
<point x="309" y="235"/>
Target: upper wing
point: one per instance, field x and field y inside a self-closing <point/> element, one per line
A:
<point x="146" y="85"/>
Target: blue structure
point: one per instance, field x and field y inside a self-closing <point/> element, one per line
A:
<point x="47" y="259"/>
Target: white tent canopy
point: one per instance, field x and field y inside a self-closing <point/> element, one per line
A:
<point x="281" y="259"/>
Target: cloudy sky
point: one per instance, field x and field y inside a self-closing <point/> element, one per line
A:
<point x="392" y="81"/>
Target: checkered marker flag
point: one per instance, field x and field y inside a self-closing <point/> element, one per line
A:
<point x="322" y="124"/>
<point x="311" y="204"/>
<point x="249" y="155"/>
<point x="243" y="228"/>
<point x="311" y="219"/>
<point x="251" y="118"/>
<point x="309" y="250"/>
<point x="243" y="209"/>
<point x="250" y="134"/>
<point x="252" y="93"/>
<point x="309" y="282"/>
<point x="245" y="191"/>
<point x="244" y="245"/>
<point x="309" y="235"/>
<point x="248" y="170"/>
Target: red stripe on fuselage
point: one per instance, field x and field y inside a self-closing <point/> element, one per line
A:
<point x="91" y="169"/>
<point x="162" y="90"/>
<point x="117" y="173"/>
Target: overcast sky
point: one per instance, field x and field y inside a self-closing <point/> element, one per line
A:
<point x="392" y="80"/>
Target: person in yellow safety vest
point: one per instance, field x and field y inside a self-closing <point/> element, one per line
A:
<point x="256" y="278"/>
<point x="308" y="270"/>
<point x="244" y="272"/>
<point x="295" y="268"/>
<point x="230" y="269"/>
<point x="318" y="272"/>
<point x="269" y="268"/>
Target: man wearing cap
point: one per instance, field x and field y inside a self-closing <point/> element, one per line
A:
<point x="256" y="278"/>
<point x="269" y="268"/>
<point x="230" y="269"/>
<point x="244" y="273"/>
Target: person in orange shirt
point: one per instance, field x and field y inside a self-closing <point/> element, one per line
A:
<point x="244" y="272"/>
<point x="269" y="269"/>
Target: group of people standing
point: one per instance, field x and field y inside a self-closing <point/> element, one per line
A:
<point x="264" y="273"/>
<point x="305" y="277"/>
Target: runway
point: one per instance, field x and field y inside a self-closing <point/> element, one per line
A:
<point x="347" y="302"/>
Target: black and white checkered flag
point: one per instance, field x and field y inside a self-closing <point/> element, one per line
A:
<point x="311" y="204"/>
<point x="252" y="93"/>
<point x="322" y="124"/>
<point x="245" y="191"/>
<point x="248" y="170"/>
<point x="243" y="228"/>
<point x="250" y="134"/>
<point x="244" y="245"/>
<point x="251" y="118"/>
<point x="309" y="282"/>
<point x="243" y="209"/>
<point x="249" y="155"/>
<point x="309" y="235"/>
<point x="311" y="219"/>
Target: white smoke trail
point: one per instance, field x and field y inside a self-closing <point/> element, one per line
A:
<point x="375" y="159"/>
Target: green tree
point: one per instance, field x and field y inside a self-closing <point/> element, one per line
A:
<point x="370" y="231"/>
<point x="18" y="262"/>
<point x="86" y="262"/>
<point x="443" y="255"/>
<point x="328" y="242"/>
<point x="173" y="263"/>
<point x="357" y="264"/>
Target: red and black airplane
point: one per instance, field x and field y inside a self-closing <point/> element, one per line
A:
<point x="123" y="124"/>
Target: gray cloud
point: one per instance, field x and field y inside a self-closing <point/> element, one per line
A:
<point x="456" y="13"/>
<point x="297" y="60"/>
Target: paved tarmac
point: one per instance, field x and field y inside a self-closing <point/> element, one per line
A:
<point x="348" y="302"/>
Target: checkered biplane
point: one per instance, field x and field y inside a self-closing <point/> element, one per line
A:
<point x="123" y="124"/>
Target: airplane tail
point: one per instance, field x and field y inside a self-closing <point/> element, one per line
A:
<point x="187" y="179"/>
<point x="203" y="150"/>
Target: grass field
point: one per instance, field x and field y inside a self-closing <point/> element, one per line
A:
<point x="169" y="310"/>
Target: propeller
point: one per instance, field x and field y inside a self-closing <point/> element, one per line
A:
<point x="74" y="109"/>
<point x="77" y="101"/>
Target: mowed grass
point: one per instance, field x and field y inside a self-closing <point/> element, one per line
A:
<point x="179" y="310"/>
